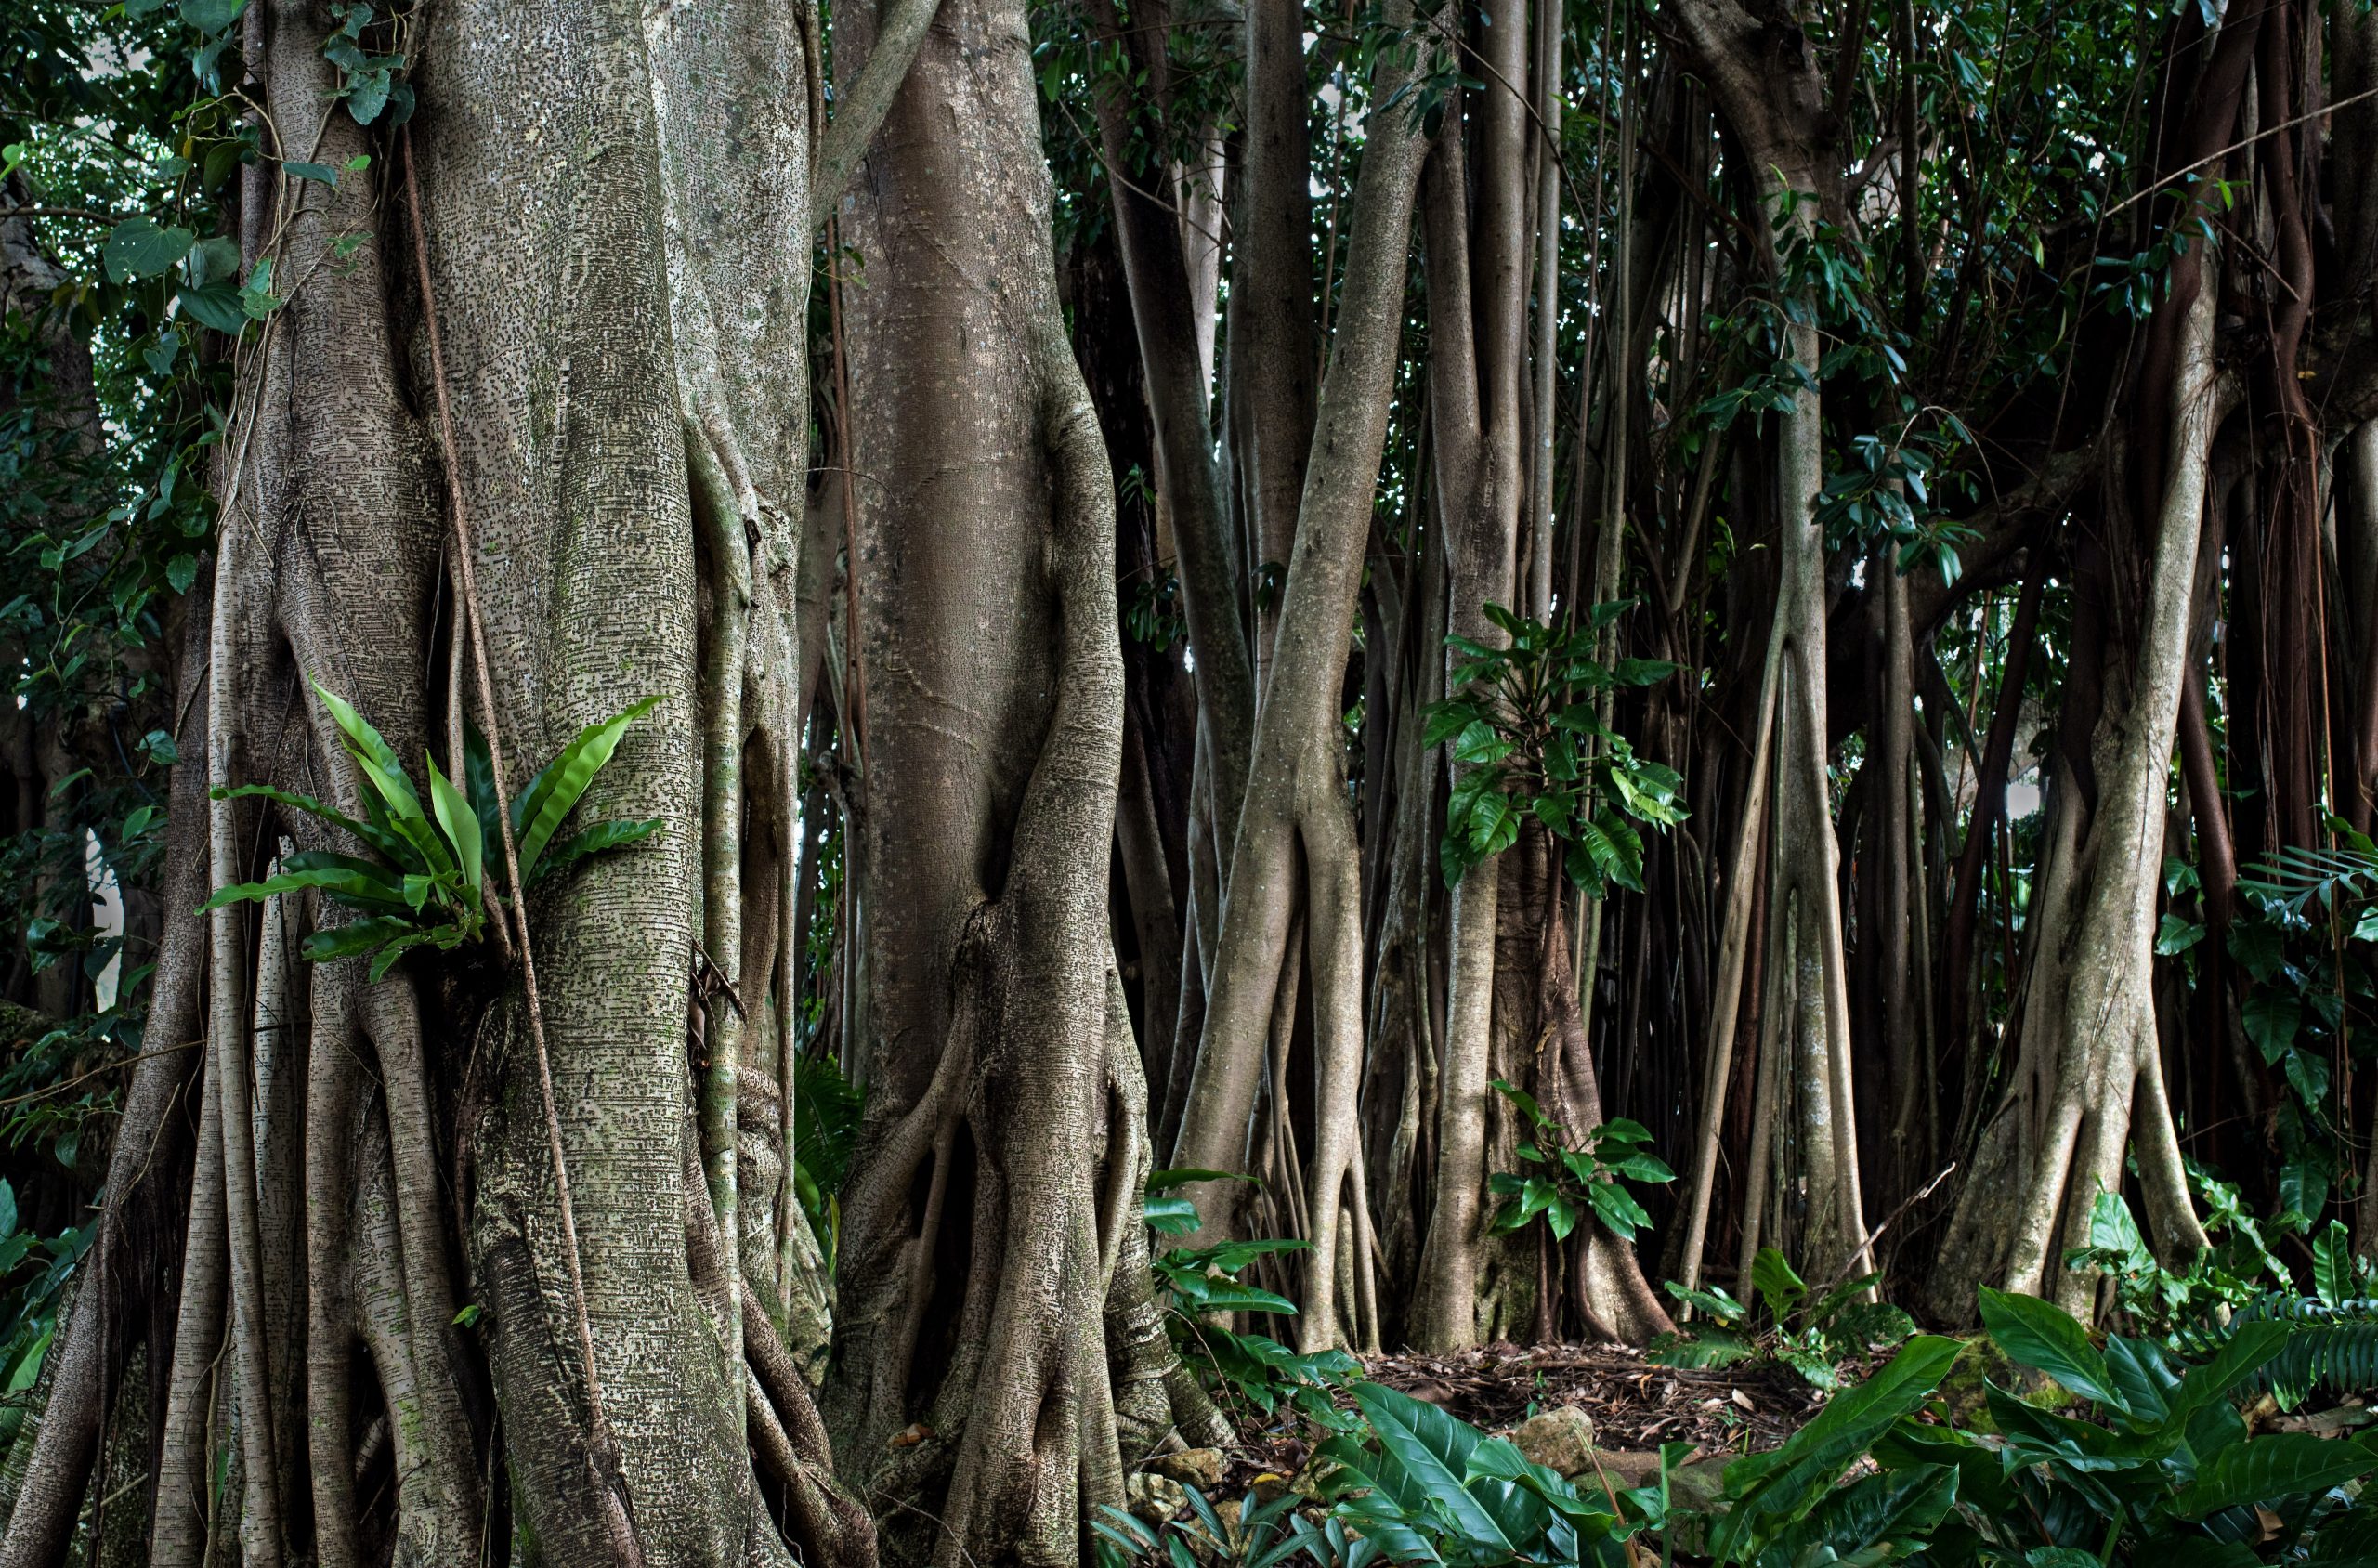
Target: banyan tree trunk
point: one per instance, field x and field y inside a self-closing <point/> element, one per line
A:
<point x="1000" y="1357"/>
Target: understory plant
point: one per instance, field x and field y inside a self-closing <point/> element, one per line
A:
<point x="1574" y="1177"/>
<point x="1814" y="1337"/>
<point x="425" y="881"/>
<point x="2150" y="1463"/>
<point x="1204" y="1292"/>
<point x="1527" y="722"/>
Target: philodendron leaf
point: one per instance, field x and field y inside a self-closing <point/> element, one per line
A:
<point x="548" y="799"/>
<point x="2040" y="1336"/>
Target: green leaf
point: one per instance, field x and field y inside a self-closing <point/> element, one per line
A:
<point x="2271" y="1018"/>
<point x="2251" y="1346"/>
<point x="380" y="838"/>
<point x="1169" y="1213"/>
<point x="1431" y="1452"/>
<point x="346" y="941"/>
<point x="1899" y="1506"/>
<point x="1229" y="1296"/>
<point x="550" y="796"/>
<point x="561" y="856"/>
<point x="369" y="887"/>
<point x="1774" y="1488"/>
<point x="8" y="1210"/>
<point x="1525" y="1102"/>
<point x="2332" y="1278"/>
<point x="479" y="782"/>
<point x="320" y="173"/>
<point x="2040" y="1336"/>
<point x="385" y="958"/>
<point x="217" y="305"/>
<point x="2140" y="1371"/>
<point x="212" y="17"/>
<point x="387" y="778"/>
<point x="461" y="826"/>
<point x="1618" y="1209"/>
<point x="138" y="248"/>
<point x="1778" y="1285"/>
<point x="1711" y="1346"/>
<point x="2267" y="1469"/>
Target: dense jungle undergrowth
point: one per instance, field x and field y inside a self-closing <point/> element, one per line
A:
<point x="980" y="782"/>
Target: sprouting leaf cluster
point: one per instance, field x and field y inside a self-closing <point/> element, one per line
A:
<point x="1574" y="1176"/>
<point x="425" y="883"/>
<point x="1527" y="736"/>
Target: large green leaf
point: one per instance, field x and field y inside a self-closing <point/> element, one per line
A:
<point x="363" y="936"/>
<point x="461" y="826"/>
<point x="1897" y="1506"/>
<point x="2347" y="1537"/>
<point x="462" y="831"/>
<point x="1774" y="1488"/>
<point x="139" y="247"/>
<point x="2139" y="1370"/>
<point x="357" y="882"/>
<point x="2332" y="1265"/>
<point x="479" y="782"/>
<point x="1778" y="1284"/>
<point x="551" y="795"/>
<point x="2042" y="1336"/>
<point x="394" y="846"/>
<point x="1429" y="1451"/>
<point x="2267" y="1469"/>
<point x="387" y="778"/>
<point x="2251" y="1346"/>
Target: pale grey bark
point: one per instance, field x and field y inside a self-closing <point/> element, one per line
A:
<point x="1294" y="760"/>
<point x="2106" y="1042"/>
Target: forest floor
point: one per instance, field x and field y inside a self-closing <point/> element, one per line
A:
<point x="1636" y="1406"/>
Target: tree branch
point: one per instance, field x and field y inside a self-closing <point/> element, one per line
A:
<point x="869" y="100"/>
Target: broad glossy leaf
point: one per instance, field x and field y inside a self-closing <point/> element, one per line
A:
<point x="346" y="941"/>
<point x="1899" y="1506"/>
<point x="2332" y="1278"/>
<point x="1778" y="1284"/>
<point x="2145" y="1380"/>
<point x="138" y="247"/>
<point x="2040" y="1336"/>
<point x="1169" y="1213"/>
<point x="1776" y="1487"/>
<point x="1431" y="1450"/>
<point x="2266" y="1469"/>
<point x="385" y="776"/>
<point x="461" y="826"/>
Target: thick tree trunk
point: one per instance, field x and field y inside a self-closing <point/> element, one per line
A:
<point x="997" y="1361"/>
